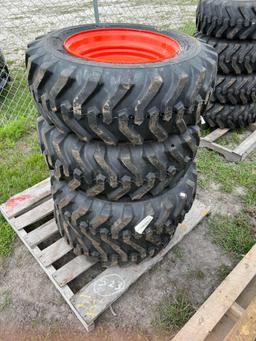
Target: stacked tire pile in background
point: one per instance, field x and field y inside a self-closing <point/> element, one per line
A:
<point x="4" y="72"/>
<point x="230" y="27"/>
<point x="120" y="135"/>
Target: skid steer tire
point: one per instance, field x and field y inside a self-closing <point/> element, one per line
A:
<point x="118" y="172"/>
<point x="228" y="116"/>
<point x="106" y="230"/>
<point x="235" y="89"/>
<point x="228" y="19"/>
<point x="235" y="57"/>
<point x="120" y="102"/>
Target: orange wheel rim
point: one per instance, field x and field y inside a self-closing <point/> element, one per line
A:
<point x="121" y="46"/>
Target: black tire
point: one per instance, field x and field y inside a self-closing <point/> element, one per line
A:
<point x="235" y="57"/>
<point x="228" y="19"/>
<point x="235" y="89"/>
<point x="228" y="116"/>
<point x="116" y="102"/>
<point x="4" y="72"/>
<point x="105" y="229"/>
<point x="118" y="172"/>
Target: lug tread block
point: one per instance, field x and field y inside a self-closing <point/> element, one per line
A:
<point x="235" y="89"/>
<point x="235" y="57"/>
<point x="116" y="172"/>
<point x="104" y="235"/>
<point x="106" y="230"/>
<point x="119" y="104"/>
<point x="128" y="130"/>
<point x="228" y="116"/>
<point x="156" y="129"/>
<point x="227" y="19"/>
<point x="122" y="190"/>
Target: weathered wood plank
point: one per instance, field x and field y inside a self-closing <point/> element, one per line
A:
<point x="41" y="233"/>
<point x="215" y="135"/>
<point x="247" y="146"/>
<point x="54" y="252"/>
<point x="245" y="328"/>
<point x="98" y="295"/>
<point x="211" y="312"/>
<point x="72" y="269"/>
<point x="25" y="200"/>
<point x="235" y="312"/>
<point x="227" y="153"/>
<point x="34" y="215"/>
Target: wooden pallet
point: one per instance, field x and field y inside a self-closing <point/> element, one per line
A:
<point x="235" y="155"/>
<point x="230" y="312"/>
<point x="30" y="207"/>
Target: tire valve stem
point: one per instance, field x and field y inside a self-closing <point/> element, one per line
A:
<point x="140" y="228"/>
<point x="183" y="195"/>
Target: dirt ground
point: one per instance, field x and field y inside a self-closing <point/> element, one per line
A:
<point x="28" y="298"/>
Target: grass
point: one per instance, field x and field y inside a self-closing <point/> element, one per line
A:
<point x="21" y="166"/>
<point x="173" y="313"/>
<point x="188" y="27"/>
<point x="233" y="234"/>
<point x="196" y="274"/>
<point x="5" y="300"/>
<point x="223" y="271"/>
<point x="177" y="252"/>
<point x="213" y="168"/>
<point x="12" y="131"/>
<point x="7" y="237"/>
<point x="21" y="163"/>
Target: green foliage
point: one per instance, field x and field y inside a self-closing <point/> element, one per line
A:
<point x="21" y="166"/>
<point x="233" y="234"/>
<point x="7" y="236"/>
<point x="177" y="252"/>
<point x="188" y="27"/>
<point x="213" y="168"/>
<point x="223" y="271"/>
<point x="173" y="312"/>
<point x="196" y="274"/>
<point x="12" y="131"/>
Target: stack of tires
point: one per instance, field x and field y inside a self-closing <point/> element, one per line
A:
<point x="4" y="72"/>
<point x="119" y="108"/>
<point x="230" y="27"/>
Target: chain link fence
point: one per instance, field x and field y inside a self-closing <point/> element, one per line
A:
<point x="23" y="20"/>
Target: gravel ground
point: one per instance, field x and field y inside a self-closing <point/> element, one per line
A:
<point x="23" y="20"/>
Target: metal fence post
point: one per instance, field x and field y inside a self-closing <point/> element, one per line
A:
<point x="96" y="11"/>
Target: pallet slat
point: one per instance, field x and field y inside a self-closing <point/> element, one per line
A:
<point x="235" y="312"/>
<point x="245" y="328"/>
<point x="26" y="199"/>
<point x="54" y="252"/>
<point x="34" y="215"/>
<point x="72" y="269"/>
<point x="211" y="312"/>
<point x="41" y="234"/>
<point x="235" y="155"/>
<point x="227" y="153"/>
<point x="216" y="134"/>
<point x="246" y="146"/>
